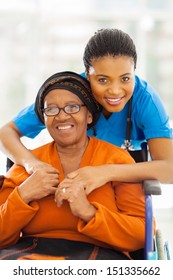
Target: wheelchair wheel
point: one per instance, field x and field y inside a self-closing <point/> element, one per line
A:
<point x="167" y="251"/>
<point x="159" y="245"/>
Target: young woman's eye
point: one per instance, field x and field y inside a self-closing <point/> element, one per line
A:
<point x="102" y="80"/>
<point x="125" y="79"/>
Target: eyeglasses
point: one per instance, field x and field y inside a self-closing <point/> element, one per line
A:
<point x="69" y="109"/>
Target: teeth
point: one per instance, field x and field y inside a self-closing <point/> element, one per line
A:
<point x="64" y="127"/>
<point x="114" y="99"/>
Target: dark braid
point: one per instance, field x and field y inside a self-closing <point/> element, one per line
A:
<point x="111" y="42"/>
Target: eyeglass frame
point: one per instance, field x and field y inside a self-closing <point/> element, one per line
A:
<point x="63" y="108"/>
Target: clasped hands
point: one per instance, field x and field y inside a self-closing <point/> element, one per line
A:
<point x="45" y="181"/>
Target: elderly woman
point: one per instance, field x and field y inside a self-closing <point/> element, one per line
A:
<point x="47" y="216"/>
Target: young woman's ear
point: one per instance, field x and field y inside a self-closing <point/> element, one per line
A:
<point x="87" y="75"/>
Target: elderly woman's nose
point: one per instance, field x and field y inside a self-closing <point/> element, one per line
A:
<point x="62" y="114"/>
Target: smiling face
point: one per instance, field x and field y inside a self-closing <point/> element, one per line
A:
<point x="112" y="81"/>
<point x="65" y="129"/>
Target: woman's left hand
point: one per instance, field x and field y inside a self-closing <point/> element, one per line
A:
<point x="91" y="177"/>
<point x="75" y="194"/>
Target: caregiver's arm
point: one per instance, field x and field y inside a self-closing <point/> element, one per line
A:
<point x="160" y="168"/>
<point x="11" y="145"/>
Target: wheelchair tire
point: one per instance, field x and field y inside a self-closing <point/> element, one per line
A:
<point x="159" y="245"/>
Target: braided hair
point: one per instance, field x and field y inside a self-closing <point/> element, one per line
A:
<point x="109" y="42"/>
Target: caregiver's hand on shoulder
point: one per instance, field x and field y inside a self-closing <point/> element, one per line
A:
<point x="36" y="164"/>
<point x="91" y="177"/>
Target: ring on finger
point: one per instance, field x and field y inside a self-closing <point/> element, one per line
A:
<point x="63" y="190"/>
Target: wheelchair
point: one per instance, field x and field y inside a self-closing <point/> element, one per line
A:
<point x="155" y="248"/>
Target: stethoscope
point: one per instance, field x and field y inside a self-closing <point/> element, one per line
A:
<point x="127" y="142"/>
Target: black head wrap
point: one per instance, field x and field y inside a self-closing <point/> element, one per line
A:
<point x="74" y="83"/>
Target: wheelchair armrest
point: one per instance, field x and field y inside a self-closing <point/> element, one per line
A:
<point x="152" y="187"/>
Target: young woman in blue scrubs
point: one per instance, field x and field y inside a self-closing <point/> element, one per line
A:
<point x="110" y="61"/>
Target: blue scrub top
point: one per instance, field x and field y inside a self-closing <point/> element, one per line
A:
<point x="149" y="119"/>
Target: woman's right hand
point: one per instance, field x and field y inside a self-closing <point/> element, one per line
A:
<point x="41" y="183"/>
